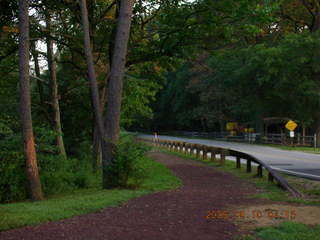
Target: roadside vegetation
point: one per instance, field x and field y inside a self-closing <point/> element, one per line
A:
<point x="275" y="230"/>
<point x="286" y="231"/>
<point x="141" y="175"/>
<point x="296" y="148"/>
<point x="73" y="73"/>
<point x="270" y="190"/>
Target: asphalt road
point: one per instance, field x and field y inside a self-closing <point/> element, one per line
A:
<point x="292" y="162"/>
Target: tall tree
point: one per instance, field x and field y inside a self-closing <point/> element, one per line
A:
<point x="34" y="184"/>
<point x="37" y="72"/>
<point x="54" y="87"/>
<point x="92" y="77"/>
<point x="114" y="95"/>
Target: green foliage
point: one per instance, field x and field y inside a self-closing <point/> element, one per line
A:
<point x="57" y="173"/>
<point x="138" y="93"/>
<point x="289" y="231"/>
<point x="12" y="168"/>
<point x="13" y="180"/>
<point x="127" y="169"/>
<point x="245" y="84"/>
<point x="13" y="215"/>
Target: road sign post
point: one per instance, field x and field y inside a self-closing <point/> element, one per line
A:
<point x="292" y="136"/>
<point x="291" y="126"/>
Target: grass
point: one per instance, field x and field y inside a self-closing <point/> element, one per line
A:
<point x="295" y="148"/>
<point x="283" y="231"/>
<point x="286" y="231"/>
<point x="310" y="188"/>
<point x="269" y="191"/>
<point x="16" y="215"/>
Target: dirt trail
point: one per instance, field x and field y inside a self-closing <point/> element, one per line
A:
<point x="176" y="214"/>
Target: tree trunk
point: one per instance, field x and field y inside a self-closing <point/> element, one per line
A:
<point x="93" y="82"/>
<point x="32" y="172"/>
<point x="37" y="72"/>
<point x="54" y="90"/>
<point x="112" y="121"/>
<point x="316" y="22"/>
<point x="316" y="127"/>
<point x="97" y="155"/>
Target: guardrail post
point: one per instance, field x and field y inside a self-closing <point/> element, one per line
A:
<point x="248" y="165"/>
<point x="197" y="151"/>
<point x="260" y="173"/>
<point x="204" y="153"/>
<point x="213" y="154"/>
<point x="222" y="156"/>
<point x="191" y="149"/>
<point x="187" y="148"/>
<point x="182" y="146"/>
<point x="270" y="177"/>
<point x="238" y="162"/>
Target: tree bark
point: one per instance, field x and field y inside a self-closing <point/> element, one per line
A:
<point x="32" y="172"/>
<point x="37" y="72"/>
<point x="316" y="127"/>
<point x="92" y="79"/>
<point x="54" y="89"/>
<point x="316" y="23"/>
<point x="114" y="95"/>
<point x="97" y="155"/>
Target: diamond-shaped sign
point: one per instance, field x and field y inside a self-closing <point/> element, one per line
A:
<point x="291" y="125"/>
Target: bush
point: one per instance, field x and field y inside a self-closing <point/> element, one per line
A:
<point x="13" y="179"/>
<point x="57" y="174"/>
<point x="12" y="167"/>
<point x="127" y="169"/>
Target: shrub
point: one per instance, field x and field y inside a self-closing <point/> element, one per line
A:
<point x="127" y="169"/>
<point x="12" y="167"/>
<point x="57" y="174"/>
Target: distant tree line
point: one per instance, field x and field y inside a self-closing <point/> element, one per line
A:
<point x="252" y="60"/>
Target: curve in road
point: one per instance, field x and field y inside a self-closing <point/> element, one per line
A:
<point x="296" y="163"/>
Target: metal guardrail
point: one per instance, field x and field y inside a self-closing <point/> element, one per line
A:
<point x="202" y="151"/>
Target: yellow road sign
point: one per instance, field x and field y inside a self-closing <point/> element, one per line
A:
<point x="232" y="126"/>
<point x="291" y="125"/>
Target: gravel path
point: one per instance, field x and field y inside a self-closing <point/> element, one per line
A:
<point x="176" y="214"/>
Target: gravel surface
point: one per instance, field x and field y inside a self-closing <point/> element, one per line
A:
<point x="176" y="214"/>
